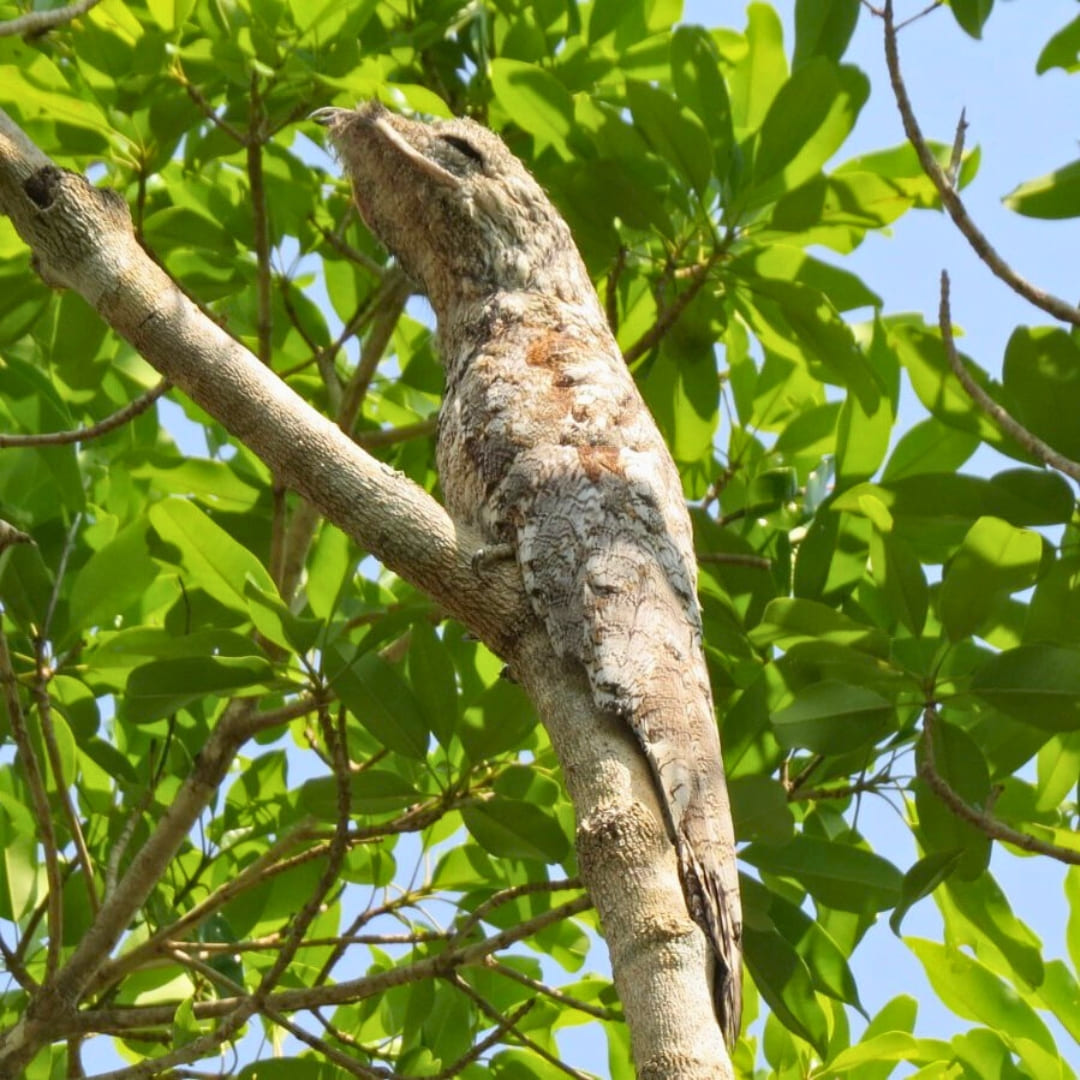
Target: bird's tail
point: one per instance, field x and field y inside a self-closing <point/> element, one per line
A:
<point x="711" y="887"/>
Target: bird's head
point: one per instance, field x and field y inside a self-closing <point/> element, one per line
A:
<point x="460" y="212"/>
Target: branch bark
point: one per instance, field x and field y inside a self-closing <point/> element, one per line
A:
<point x="82" y="238"/>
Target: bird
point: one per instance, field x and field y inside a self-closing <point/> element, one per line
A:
<point x="545" y="445"/>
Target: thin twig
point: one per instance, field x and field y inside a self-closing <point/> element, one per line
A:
<point x="40" y="801"/>
<point x="1008" y="424"/>
<point x="350" y="253"/>
<point x="611" y="290"/>
<point x="92" y="431"/>
<point x="669" y="315"/>
<point x="507" y="1023"/>
<point x="553" y="992"/>
<point x="504" y="896"/>
<point x="978" y="241"/>
<point x="956" y="158"/>
<point x="38" y="22"/>
<point x="991" y="826"/>
<point x="208" y="111"/>
<point x="371" y="440"/>
<point x="490" y="1011"/>
<point x="390" y="303"/>
<point x="735" y="558"/>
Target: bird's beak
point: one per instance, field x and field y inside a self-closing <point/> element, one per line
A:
<point x="326" y="116"/>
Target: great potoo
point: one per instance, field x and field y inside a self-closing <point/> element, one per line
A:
<point x="545" y="446"/>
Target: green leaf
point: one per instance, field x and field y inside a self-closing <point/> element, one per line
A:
<point x="831" y="718"/>
<point x="899" y="574"/>
<point x="112" y="579"/>
<point x="761" y="70"/>
<point x="921" y="880"/>
<point x="510" y="829"/>
<point x="432" y="676"/>
<point x="887" y="1048"/>
<point x="994" y="560"/>
<point x="808" y="121"/>
<point x="496" y="722"/>
<point x="273" y="619"/>
<point x="960" y="763"/>
<point x="928" y="447"/>
<point x="935" y="510"/>
<point x="840" y="876"/>
<point x="1038" y="684"/>
<point x="373" y="791"/>
<point x="789" y="620"/>
<point x="783" y="980"/>
<point x="973" y="992"/>
<point x="760" y="810"/>
<point x="824" y="958"/>
<point x="1042" y="381"/>
<point x="699" y="85"/>
<point x="376" y="694"/>
<point x="160" y="688"/>
<point x="1058" y="767"/>
<point x="972" y="14"/>
<point x="823" y="28"/>
<point x="215" y="562"/>
<point x="536" y="100"/>
<point x="1062" y="50"/>
<point x="1053" y="196"/>
<point x="674" y="132"/>
<point x="990" y="918"/>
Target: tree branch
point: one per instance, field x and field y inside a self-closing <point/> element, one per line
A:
<point x="982" y="247"/>
<point x="38" y="22"/>
<point x="93" y="431"/>
<point x="1012" y="427"/>
<point x="984" y="822"/>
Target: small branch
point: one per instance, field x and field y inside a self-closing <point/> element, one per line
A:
<point x="389" y="305"/>
<point x="493" y="1014"/>
<point x="956" y="158"/>
<point x="371" y="440"/>
<point x="39" y="22"/>
<point x="735" y="558"/>
<point x="567" y="1000"/>
<point x="611" y="294"/>
<point x="507" y="1023"/>
<point x="991" y="826"/>
<point x="1012" y="427"/>
<point x="208" y="110"/>
<point x="982" y="247"/>
<point x="333" y="238"/>
<point x="93" y="431"/>
<point x="666" y="319"/>
<point x="504" y="896"/>
<point x="39" y="800"/>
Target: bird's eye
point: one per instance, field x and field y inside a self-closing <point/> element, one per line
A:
<point x="464" y="147"/>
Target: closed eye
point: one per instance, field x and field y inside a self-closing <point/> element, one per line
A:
<point x="464" y="147"/>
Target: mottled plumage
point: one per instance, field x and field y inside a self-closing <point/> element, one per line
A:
<point x="545" y="445"/>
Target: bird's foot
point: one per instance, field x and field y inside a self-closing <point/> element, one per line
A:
<point x="486" y="557"/>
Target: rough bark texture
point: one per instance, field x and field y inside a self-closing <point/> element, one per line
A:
<point x="546" y="447"/>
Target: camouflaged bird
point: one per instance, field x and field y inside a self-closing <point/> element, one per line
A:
<point x="546" y="447"/>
